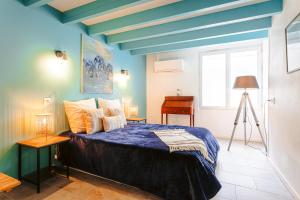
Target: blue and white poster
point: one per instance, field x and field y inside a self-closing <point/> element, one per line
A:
<point x="96" y="71"/>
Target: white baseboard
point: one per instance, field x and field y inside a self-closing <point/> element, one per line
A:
<point x="285" y="181"/>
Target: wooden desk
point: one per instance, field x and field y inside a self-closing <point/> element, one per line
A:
<point x="137" y="119"/>
<point x="180" y="105"/>
<point x="38" y="143"/>
<point x="7" y="183"/>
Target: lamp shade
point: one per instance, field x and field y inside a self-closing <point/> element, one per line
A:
<point x="244" y="82"/>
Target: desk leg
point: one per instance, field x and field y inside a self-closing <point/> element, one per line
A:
<point x="38" y="170"/>
<point x="167" y="121"/>
<point x="19" y="162"/>
<point x="190" y="120"/>
<point x="193" y="120"/>
<point x="162" y="118"/>
<point x="49" y="158"/>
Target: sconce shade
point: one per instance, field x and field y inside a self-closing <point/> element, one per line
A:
<point x="61" y="54"/>
<point x="124" y="72"/>
<point x="245" y="82"/>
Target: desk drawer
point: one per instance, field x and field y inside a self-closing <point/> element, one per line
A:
<point x="183" y="111"/>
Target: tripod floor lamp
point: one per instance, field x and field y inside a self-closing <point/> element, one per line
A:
<point x="246" y="82"/>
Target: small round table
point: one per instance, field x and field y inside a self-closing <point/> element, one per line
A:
<point x="137" y="120"/>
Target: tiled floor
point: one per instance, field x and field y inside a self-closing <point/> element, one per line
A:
<point x="245" y="174"/>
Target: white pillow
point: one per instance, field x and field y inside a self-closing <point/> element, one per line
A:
<point x="75" y="113"/>
<point x="111" y="123"/>
<point x="107" y="103"/>
<point x="118" y="112"/>
<point x="93" y="120"/>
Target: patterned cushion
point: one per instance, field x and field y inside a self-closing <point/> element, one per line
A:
<point x="111" y="123"/>
<point x="93" y="120"/>
<point x="107" y="103"/>
<point x="75" y="113"/>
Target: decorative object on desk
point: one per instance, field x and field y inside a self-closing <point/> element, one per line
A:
<point x="42" y="123"/>
<point x="96" y="71"/>
<point x="8" y="183"/>
<point x="246" y="82"/>
<point x="178" y="92"/>
<point x="180" y="105"/>
<point x="292" y="33"/>
<point x="133" y="111"/>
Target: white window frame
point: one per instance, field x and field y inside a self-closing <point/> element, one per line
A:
<point x="227" y="52"/>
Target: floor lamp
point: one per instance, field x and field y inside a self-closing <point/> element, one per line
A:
<point x="246" y="82"/>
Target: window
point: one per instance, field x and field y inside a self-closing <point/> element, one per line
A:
<point x="218" y="73"/>
<point x="214" y="84"/>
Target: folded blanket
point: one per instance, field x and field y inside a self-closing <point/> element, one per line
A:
<point x="181" y="140"/>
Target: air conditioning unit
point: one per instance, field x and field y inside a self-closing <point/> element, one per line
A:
<point x="169" y="66"/>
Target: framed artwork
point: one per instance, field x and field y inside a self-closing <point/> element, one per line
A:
<point x="96" y="70"/>
<point x="292" y="33"/>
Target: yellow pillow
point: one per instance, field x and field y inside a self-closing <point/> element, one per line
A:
<point x="75" y="113"/>
<point x="111" y="123"/>
<point x="93" y="120"/>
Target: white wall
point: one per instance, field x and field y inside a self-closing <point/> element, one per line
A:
<point x="284" y="116"/>
<point x="159" y="85"/>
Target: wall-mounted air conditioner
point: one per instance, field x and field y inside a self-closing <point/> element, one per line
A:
<point x="169" y="66"/>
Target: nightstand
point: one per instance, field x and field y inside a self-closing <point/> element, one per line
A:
<point x="137" y="120"/>
<point x="8" y="183"/>
<point x="37" y="144"/>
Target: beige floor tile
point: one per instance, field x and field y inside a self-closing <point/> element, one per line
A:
<point x="251" y="194"/>
<point x="275" y="187"/>
<point x="227" y="191"/>
<point x="236" y="179"/>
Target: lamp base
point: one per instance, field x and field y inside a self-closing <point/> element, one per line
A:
<point x="243" y="105"/>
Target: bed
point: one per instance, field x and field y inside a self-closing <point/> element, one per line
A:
<point x="134" y="155"/>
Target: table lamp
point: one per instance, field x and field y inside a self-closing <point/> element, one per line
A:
<point x="133" y="111"/>
<point x="42" y="121"/>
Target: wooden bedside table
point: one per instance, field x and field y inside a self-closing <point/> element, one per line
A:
<point x="137" y="120"/>
<point x="8" y="183"/>
<point x="37" y="144"/>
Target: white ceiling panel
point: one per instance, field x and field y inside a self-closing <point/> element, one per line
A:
<point x="64" y="5"/>
<point x="128" y="11"/>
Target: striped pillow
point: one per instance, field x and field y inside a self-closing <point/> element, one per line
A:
<point x="111" y="123"/>
<point x="93" y="120"/>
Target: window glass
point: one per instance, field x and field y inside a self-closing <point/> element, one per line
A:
<point x="214" y="80"/>
<point x="241" y="64"/>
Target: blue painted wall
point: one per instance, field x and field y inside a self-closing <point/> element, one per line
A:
<point x="27" y="35"/>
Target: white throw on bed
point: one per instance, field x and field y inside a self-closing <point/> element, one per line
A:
<point x="181" y="140"/>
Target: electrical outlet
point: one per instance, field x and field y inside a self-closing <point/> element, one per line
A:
<point x="272" y="100"/>
<point x="47" y="100"/>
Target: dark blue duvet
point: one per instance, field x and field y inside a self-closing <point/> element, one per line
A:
<point x="134" y="155"/>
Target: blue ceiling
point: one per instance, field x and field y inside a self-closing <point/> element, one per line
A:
<point x="177" y="25"/>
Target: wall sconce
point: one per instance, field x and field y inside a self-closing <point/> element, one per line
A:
<point x="122" y="78"/>
<point x="125" y="74"/>
<point x="61" y="54"/>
